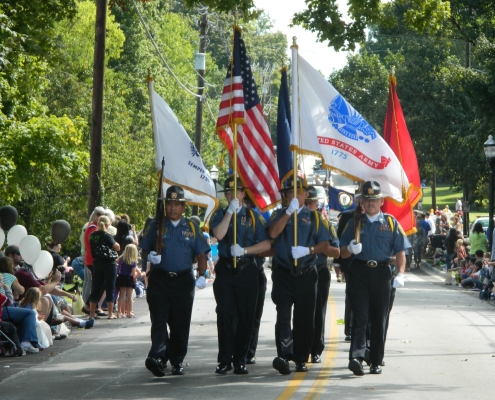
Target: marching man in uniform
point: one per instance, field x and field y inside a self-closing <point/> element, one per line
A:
<point x="236" y="289"/>
<point x="295" y="285"/>
<point x="370" y="274"/>
<point x="171" y="283"/>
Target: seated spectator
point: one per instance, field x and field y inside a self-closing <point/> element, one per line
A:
<point x="23" y="319"/>
<point x="469" y="268"/>
<point x="59" y="262"/>
<point x="7" y="270"/>
<point x="52" y="295"/>
<point x="473" y="280"/>
<point x="32" y="301"/>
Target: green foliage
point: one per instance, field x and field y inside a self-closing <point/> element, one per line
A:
<point x="468" y="19"/>
<point x="325" y="19"/>
<point x="369" y="99"/>
<point x="46" y="69"/>
<point x="223" y="5"/>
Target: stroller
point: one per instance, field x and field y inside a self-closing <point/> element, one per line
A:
<point x="435" y="242"/>
<point x="9" y="341"/>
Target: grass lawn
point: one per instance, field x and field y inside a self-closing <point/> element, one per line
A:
<point x="446" y="195"/>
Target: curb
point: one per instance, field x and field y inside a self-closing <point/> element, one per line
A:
<point x="424" y="266"/>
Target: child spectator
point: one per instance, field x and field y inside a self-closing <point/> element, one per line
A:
<point x="32" y="301"/>
<point x="126" y="270"/>
<point x="460" y="252"/>
<point x="473" y="280"/>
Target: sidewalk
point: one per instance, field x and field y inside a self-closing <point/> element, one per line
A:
<point x="9" y="366"/>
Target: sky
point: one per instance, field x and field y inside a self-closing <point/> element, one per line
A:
<point x="319" y="55"/>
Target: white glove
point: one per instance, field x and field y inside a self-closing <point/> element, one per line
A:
<point x="399" y="281"/>
<point x="355" y="247"/>
<point x="293" y="206"/>
<point x="299" y="251"/>
<point x="154" y="258"/>
<point x="201" y="282"/>
<point x="236" y="251"/>
<point x="233" y="206"/>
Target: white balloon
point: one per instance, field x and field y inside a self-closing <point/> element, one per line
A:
<point x="43" y="265"/>
<point x="15" y="235"/>
<point x="30" y="248"/>
<point x="2" y="237"/>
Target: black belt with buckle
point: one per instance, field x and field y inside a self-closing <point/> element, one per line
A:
<point x="371" y="263"/>
<point x="173" y="275"/>
<point x="302" y="270"/>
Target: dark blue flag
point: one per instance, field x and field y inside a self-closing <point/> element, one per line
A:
<point x="284" y="155"/>
<point x="340" y="200"/>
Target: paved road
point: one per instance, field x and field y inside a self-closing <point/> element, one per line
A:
<point x="439" y="346"/>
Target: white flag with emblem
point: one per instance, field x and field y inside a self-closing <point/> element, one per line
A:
<point x="183" y="163"/>
<point x="333" y="130"/>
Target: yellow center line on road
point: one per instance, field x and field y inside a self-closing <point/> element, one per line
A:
<point x="330" y="356"/>
<point x="327" y="366"/>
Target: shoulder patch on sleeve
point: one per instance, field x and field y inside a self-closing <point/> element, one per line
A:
<point x="274" y="215"/>
<point x="261" y="219"/>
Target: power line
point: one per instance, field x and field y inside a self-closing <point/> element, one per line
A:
<point x="160" y="54"/>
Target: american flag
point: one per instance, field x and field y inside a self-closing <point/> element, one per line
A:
<point x="240" y="105"/>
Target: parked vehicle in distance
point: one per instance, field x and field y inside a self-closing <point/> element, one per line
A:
<point x="484" y="222"/>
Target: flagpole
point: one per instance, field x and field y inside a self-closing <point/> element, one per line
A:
<point x="235" y="190"/>
<point x="234" y="152"/>
<point x="295" y="127"/>
<point x="160" y="210"/>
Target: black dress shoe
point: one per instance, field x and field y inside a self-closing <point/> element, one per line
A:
<point x="281" y="365"/>
<point x="316" y="359"/>
<point x="156" y="366"/>
<point x="367" y="357"/>
<point x="347" y="338"/>
<point x="375" y="369"/>
<point x="223" y="368"/>
<point x="301" y="367"/>
<point x="251" y="360"/>
<point x="177" y="370"/>
<point x="240" y="370"/>
<point x="356" y="367"/>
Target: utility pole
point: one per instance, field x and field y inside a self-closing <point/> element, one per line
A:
<point x="97" y="107"/>
<point x="465" y="187"/>
<point x="200" y="68"/>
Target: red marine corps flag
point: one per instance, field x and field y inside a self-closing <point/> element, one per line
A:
<point x="397" y="136"/>
<point x="241" y="122"/>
